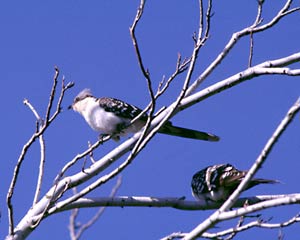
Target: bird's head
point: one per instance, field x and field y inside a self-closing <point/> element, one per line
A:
<point x="84" y="94"/>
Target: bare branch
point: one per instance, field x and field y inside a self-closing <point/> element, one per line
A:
<point x="251" y="50"/>
<point x="64" y="88"/>
<point x="72" y="222"/>
<point x="48" y="111"/>
<point x="257" y="21"/>
<point x="91" y="154"/>
<point x="283" y="12"/>
<point x="254" y="28"/>
<point x="42" y="153"/>
<point x="240" y="223"/>
<point x="29" y="105"/>
<point x="276" y="66"/>
<point x="77" y="158"/>
<point x="78" y="178"/>
<point x="258" y="223"/>
<point x="137" y="50"/>
<point x="177" y="203"/>
<point x="174" y="235"/>
<point x="199" y="42"/>
<point x="73" y="226"/>
<point x="173" y="108"/>
<point x="13" y="183"/>
<point x="42" y="127"/>
<point x="181" y="66"/>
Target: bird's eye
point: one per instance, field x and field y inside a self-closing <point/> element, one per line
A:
<point x="76" y="99"/>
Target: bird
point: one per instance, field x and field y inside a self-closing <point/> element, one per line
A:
<point x="217" y="182"/>
<point x="111" y="116"/>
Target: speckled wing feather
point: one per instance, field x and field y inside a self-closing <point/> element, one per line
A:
<point x="230" y="177"/>
<point x="120" y="108"/>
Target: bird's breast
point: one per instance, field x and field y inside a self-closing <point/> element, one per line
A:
<point x="100" y="120"/>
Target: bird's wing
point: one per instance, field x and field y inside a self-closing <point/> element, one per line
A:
<point x="199" y="184"/>
<point x="120" y="108"/>
<point x="231" y="177"/>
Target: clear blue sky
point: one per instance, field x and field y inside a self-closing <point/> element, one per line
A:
<point x="90" y="43"/>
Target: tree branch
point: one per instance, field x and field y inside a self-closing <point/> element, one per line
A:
<point x="277" y="66"/>
<point x="26" y="146"/>
<point x="258" y="223"/>
<point x="254" y="28"/>
<point x="173" y="202"/>
<point x="73" y="226"/>
<point x="42" y="152"/>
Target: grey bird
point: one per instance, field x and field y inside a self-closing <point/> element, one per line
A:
<point x="111" y="116"/>
<point x="216" y="183"/>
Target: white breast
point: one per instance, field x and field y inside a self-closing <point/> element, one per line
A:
<point x="99" y="119"/>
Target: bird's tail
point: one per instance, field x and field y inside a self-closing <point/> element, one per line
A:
<point x="169" y="129"/>
<point x="257" y="181"/>
<point x="262" y="180"/>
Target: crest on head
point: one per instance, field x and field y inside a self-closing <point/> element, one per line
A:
<point x="83" y="94"/>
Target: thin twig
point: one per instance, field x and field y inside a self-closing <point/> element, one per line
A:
<point x="42" y="151"/>
<point x="25" y="148"/>
<point x="134" y="40"/>
<point x="254" y="28"/>
<point x="75" y="159"/>
<point x="174" y="235"/>
<point x="82" y="228"/>
<point x="146" y="75"/>
<point x="181" y="66"/>
<point x="239" y="224"/>
<point x="14" y="181"/>
<point x="199" y="43"/>
<point x="257" y="21"/>
<point x="201" y="19"/>
<point x="72" y="222"/>
<point x="137" y="49"/>
<point x="91" y="154"/>
<point x="269" y="67"/>
<point x="51" y="98"/>
<point x="251" y="50"/>
<point x="64" y="88"/>
<point x="258" y="223"/>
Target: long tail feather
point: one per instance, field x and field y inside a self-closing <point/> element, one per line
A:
<point x="187" y="133"/>
<point x="257" y="181"/>
<point x="261" y="180"/>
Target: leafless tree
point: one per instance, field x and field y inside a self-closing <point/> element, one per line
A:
<point x="55" y="200"/>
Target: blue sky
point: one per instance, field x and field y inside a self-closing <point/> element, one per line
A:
<point x="90" y="43"/>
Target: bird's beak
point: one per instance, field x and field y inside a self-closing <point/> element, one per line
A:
<point x="70" y="107"/>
